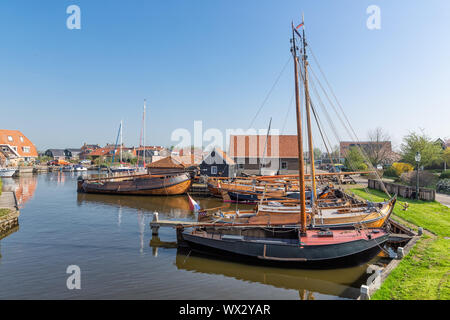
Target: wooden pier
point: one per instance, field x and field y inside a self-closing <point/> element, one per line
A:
<point x="156" y="223"/>
<point x="199" y="190"/>
<point x="40" y="169"/>
<point x="23" y="170"/>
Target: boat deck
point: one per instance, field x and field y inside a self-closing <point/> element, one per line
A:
<point x="312" y="238"/>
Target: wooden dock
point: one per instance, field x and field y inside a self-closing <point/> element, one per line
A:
<point x="199" y="190"/>
<point x="23" y="171"/>
<point x="40" y="169"/>
<point x="155" y="224"/>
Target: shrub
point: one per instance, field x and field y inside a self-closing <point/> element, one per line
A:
<point x="401" y="167"/>
<point x="443" y="186"/>
<point x="390" y="172"/>
<point x="445" y="175"/>
<point x="425" y="178"/>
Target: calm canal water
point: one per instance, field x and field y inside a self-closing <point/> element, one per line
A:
<point x="109" y="238"/>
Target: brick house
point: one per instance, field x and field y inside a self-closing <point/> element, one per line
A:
<point x="250" y="152"/>
<point x="16" y="148"/>
<point x="86" y="149"/>
<point x="367" y="146"/>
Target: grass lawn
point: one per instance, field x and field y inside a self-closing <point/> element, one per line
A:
<point x="424" y="273"/>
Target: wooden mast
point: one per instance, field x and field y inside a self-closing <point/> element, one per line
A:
<point x="121" y="140"/>
<point x="262" y="164"/>
<point x="301" y="173"/>
<point x="143" y="126"/>
<point x="308" y="121"/>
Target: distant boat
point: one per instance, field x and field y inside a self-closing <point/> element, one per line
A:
<point x="68" y="168"/>
<point x="123" y="168"/>
<point x="79" y="168"/>
<point x="7" y="172"/>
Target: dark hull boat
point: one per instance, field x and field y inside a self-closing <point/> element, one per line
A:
<point x="297" y="242"/>
<point x="255" y="197"/>
<point x="164" y="184"/>
<point x="315" y="248"/>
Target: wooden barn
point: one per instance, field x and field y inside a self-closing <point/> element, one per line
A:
<point x="218" y="164"/>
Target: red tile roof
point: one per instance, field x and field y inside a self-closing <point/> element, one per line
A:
<point x="102" y="152"/>
<point x="168" y="162"/>
<point x="20" y="141"/>
<point x="252" y="146"/>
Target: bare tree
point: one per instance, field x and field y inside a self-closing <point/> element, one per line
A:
<point x="379" y="150"/>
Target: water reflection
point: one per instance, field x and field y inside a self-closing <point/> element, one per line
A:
<point x="24" y="187"/>
<point x="109" y="237"/>
<point x="4" y="235"/>
<point x="173" y="206"/>
<point x="141" y="223"/>
<point x="340" y="282"/>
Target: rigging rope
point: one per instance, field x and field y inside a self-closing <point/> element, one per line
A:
<point x="349" y="129"/>
<point x="270" y="92"/>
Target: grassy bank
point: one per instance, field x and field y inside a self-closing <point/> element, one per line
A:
<point x="431" y="216"/>
<point x="4" y="212"/>
<point x="422" y="275"/>
<point x="425" y="272"/>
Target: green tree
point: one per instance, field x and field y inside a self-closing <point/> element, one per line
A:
<point x="430" y="152"/>
<point x="317" y="153"/>
<point x="355" y="159"/>
<point x="446" y="156"/>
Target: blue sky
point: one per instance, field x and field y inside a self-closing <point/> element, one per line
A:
<point x="215" y="61"/>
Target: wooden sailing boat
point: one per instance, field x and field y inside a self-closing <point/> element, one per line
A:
<point x="121" y="167"/>
<point x="140" y="183"/>
<point x="286" y="243"/>
<point x="143" y="184"/>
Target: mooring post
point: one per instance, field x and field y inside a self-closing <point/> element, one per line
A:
<point x="365" y="295"/>
<point x="180" y="241"/>
<point x="155" y="227"/>
<point x="420" y="231"/>
<point x="400" y="253"/>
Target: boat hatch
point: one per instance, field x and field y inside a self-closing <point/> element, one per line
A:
<point x="232" y="237"/>
<point x="269" y="241"/>
<point x="323" y="234"/>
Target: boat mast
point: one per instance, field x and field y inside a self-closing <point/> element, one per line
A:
<point x="121" y="139"/>
<point x="145" y="101"/>
<point x="308" y="121"/>
<point x="301" y="173"/>
<point x="262" y="164"/>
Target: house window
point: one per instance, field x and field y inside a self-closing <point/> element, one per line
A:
<point x="26" y="149"/>
<point x="241" y="166"/>
<point x="10" y="138"/>
<point x="21" y="139"/>
<point x="14" y="148"/>
<point x="284" y="165"/>
<point x="213" y="170"/>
